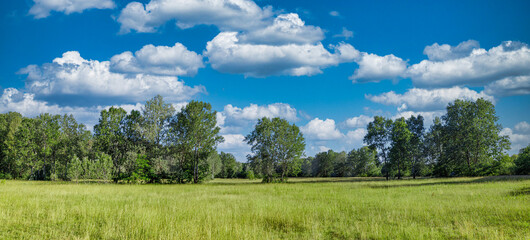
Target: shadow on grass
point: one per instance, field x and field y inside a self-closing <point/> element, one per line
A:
<point x="452" y="181"/>
<point x="521" y="192"/>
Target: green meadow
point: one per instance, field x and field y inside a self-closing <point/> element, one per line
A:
<point x="303" y="208"/>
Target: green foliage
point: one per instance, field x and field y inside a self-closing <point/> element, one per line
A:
<point x="378" y="137"/>
<point x="471" y="138"/>
<point x="229" y="167"/>
<point x="195" y="136"/>
<point x="364" y="162"/>
<point x="522" y="163"/>
<point x="400" y="150"/>
<point x="143" y="172"/>
<point x="276" y="145"/>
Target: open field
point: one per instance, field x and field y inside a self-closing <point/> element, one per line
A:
<point x="306" y="208"/>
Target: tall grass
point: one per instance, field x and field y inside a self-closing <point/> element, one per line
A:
<point x="328" y="208"/>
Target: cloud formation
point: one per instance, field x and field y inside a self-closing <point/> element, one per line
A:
<point x="42" y="8"/>
<point x="158" y="60"/>
<point x="227" y="54"/>
<point x="427" y="99"/>
<point x="446" y="52"/>
<point x="73" y="76"/>
<point x="233" y="119"/>
<point x="478" y="68"/>
<point x="321" y="130"/>
<point x="509" y="86"/>
<point x="374" y="68"/>
<point x="358" y="122"/>
<point x="285" y="29"/>
<point x="225" y="14"/>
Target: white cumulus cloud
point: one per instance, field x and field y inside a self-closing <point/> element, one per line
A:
<point x="358" y="122"/>
<point x="225" y="14"/>
<point x="509" y="86"/>
<point x="72" y="75"/>
<point x="518" y="140"/>
<point x="356" y="137"/>
<point x="522" y="127"/>
<point x="42" y="8"/>
<point x="321" y="130"/>
<point x="227" y="54"/>
<point x="159" y="60"/>
<point x="234" y="119"/>
<point x="285" y="29"/>
<point x="478" y="68"/>
<point x="374" y="68"/>
<point x="445" y="52"/>
<point x="427" y="99"/>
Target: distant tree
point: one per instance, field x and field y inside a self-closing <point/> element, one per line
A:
<point x="306" y="167"/>
<point x="10" y="165"/>
<point x="472" y="137"/>
<point x="155" y="118"/>
<point x="196" y="135"/>
<point x="341" y="167"/>
<point x="275" y="144"/>
<point x="522" y="163"/>
<point x="228" y="166"/>
<point x="215" y="163"/>
<point x="325" y="163"/>
<point x="378" y="138"/>
<point x="400" y="150"/>
<point x="110" y="139"/>
<point x="415" y="126"/>
<point x="363" y="162"/>
<point x="434" y="144"/>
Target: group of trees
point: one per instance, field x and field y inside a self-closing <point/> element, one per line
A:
<point x="160" y="144"/>
<point x="466" y="141"/>
<point x="149" y="145"/>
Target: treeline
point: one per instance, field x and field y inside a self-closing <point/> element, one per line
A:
<point x="151" y="145"/>
<point x="466" y="141"/>
<point x="159" y="144"/>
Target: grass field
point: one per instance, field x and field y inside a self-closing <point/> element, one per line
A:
<point x="306" y="208"/>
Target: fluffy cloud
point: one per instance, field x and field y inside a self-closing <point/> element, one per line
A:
<point x="159" y="60"/>
<point x="356" y="137"/>
<point x="358" y="122"/>
<point x="233" y="119"/>
<point x="424" y="99"/>
<point x="42" y="8"/>
<point x="478" y="68"/>
<point x="321" y="130"/>
<point x="75" y="77"/>
<point x="522" y="127"/>
<point x="227" y="54"/>
<point x="518" y="140"/>
<point x="509" y="86"/>
<point x="374" y="68"/>
<point x="233" y="141"/>
<point x="445" y="52"/>
<point x="254" y="112"/>
<point x="225" y="14"/>
<point x="235" y="144"/>
<point x="286" y="28"/>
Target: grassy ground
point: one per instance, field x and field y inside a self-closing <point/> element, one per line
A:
<point x="310" y="208"/>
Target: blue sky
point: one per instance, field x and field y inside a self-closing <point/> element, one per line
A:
<point x="327" y="66"/>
